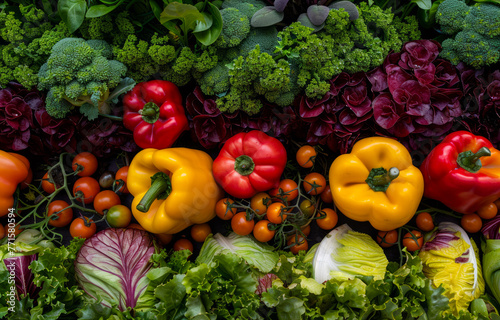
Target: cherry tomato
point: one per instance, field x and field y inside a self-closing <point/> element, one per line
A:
<point x="222" y="209"/>
<point x="314" y="183"/>
<point x="241" y="225"/>
<point x="329" y="221"/>
<point x="105" y="200"/>
<point x="47" y="186"/>
<point x="424" y="221"/>
<point x="413" y="240"/>
<point x="305" y="156"/>
<point x="300" y="244"/>
<point x="307" y="208"/>
<point x="88" y="163"/>
<point x="199" y="232"/>
<point x="64" y="217"/>
<point x="260" y="202"/>
<point x="488" y="211"/>
<point x="274" y="212"/>
<point x="122" y="174"/>
<point x="135" y="226"/>
<point x="261" y="231"/>
<point x="2" y="232"/>
<point x="183" y="244"/>
<point x="82" y="228"/>
<point x="86" y="187"/>
<point x="288" y="190"/>
<point x="471" y="223"/>
<point x="163" y="238"/>
<point x="107" y="179"/>
<point x="306" y="230"/>
<point x="119" y="216"/>
<point x="387" y="239"/>
<point x="326" y="196"/>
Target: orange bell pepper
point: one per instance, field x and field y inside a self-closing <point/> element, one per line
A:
<point x="14" y="169"/>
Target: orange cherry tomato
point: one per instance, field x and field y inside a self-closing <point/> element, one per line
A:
<point x="87" y="162"/>
<point x="82" y="228"/>
<point x="330" y="219"/>
<point x="163" y="238"/>
<point x="261" y="231"/>
<point x="183" y="244"/>
<point x="306" y="230"/>
<point x="224" y="210"/>
<point x="387" y="239"/>
<point x="275" y="212"/>
<point x="314" y="183"/>
<point x="326" y="196"/>
<point x="289" y="190"/>
<point x="471" y="223"/>
<point x="105" y="200"/>
<point x="305" y="156"/>
<point x="488" y="211"/>
<point x="86" y="188"/>
<point x="300" y="244"/>
<point x="424" y="221"/>
<point x="64" y="217"/>
<point x="413" y="240"/>
<point x="260" y="202"/>
<point x="241" y="225"/>
<point x="47" y="186"/>
<point x="122" y="174"/>
<point x="199" y="232"/>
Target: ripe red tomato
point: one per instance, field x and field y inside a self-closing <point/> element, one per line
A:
<point x="413" y="240"/>
<point x="86" y="162"/>
<point x="47" y="186"/>
<point x="82" y="227"/>
<point x="86" y="188"/>
<point x="326" y="196"/>
<point x="122" y="174"/>
<point x="105" y="200"/>
<point x="387" y="239"/>
<point x="300" y="244"/>
<point x="305" y="156"/>
<point x="275" y="212"/>
<point x="64" y="217"/>
<point x="241" y="225"/>
<point x="330" y="219"/>
<point x="471" y="223"/>
<point x="183" y="244"/>
<point x="289" y="190"/>
<point x="424" y="221"/>
<point x="119" y="216"/>
<point x="199" y="232"/>
<point x="261" y="231"/>
<point x="314" y="183"/>
<point x="488" y="211"/>
<point x="163" y="238"/>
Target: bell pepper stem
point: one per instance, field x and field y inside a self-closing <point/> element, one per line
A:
<point x="244" y="165"/>
<point x="471" y="161"/>
<point x="160" y="189"/>
<point x="379" y="179"/>
<point x="150" y="112"/>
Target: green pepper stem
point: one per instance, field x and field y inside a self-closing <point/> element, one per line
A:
<point x="379" y="179"/>
<point x="472" y="161"/>
<point x="160" y="189"/>
<point x="244" y="165"/>
<point x="150" y="112"/>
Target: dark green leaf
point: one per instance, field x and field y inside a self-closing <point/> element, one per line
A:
<point x="203" y="25"/>
<point x="72" y="12"/>
<point x="436" y="301"/>
<point x="125" y="85"/>
<point x="172" y="293"/>
<point x="155" y="7"/>
<point x="100" y="10"/>
<point x="266" y="17"/>
<point x="90" y="111"/>
<point x="187" y="13"/>
<point x="423" y="4"/>
<point x="304" y="19"/>
<point x="291" y="309"/>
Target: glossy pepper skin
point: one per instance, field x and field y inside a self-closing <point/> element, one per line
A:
<point x="377" y="182"/>
<point x="459" y="180"/>
<point x="248" y="163"/>
<point x="14" y="169"/>
<point x="153" y="111"/>
<point x="190" y="194"/>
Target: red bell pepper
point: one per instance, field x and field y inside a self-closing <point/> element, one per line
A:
<point x="249" y="163"/>
<point x="153" y="111"/>
<point x="463" y="172"/>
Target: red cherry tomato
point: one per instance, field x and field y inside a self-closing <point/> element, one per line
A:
<point x="86" y="162"/>
<point x="64" y="217"/>
<point x="86" y="188"/>
<point x="82" y="227"/>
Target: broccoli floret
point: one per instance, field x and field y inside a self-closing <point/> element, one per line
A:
<point x="266" y="38"/>
<point x="471" y="48"/>
<point x="248" y="8"/>
<point x="484" y="18"/>
<point x="79" y="74"/>
<point x="25" y="76"/>
<point x="236" y="27"/>
<point x="113" y="30"/>
<point x="451" y="15"/>
<point x="215" y="81"/>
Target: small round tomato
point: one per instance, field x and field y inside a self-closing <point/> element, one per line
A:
<point x="314" y="183"/>
<point x="326" y="196"/>
<point x="387" y="239"/>
<point x="105" y="200"/>
<point x="241" y="225"/>
<point x="163" y="238"/>
<point x="471" y="223"/>
<point x="260" y="202"/>
<point x="199" y="232"/>
<point x="135" y="226"/>
<point x="306" y="230"/>
<point x="86" y="162"/>
<point x="224" y="210"/>
<point x="413" y="240"/>
<point x="47" y="186"/>
<point x="86" y="188"/>
<point x="287" y="190"/>
<point x="276" y="212"/>
<point x="307" y="208"/>
<point x="106" y="179"/>
<point x="330" y="219"/>
<point x="305" y="156"/>
<point x="64" y="217"/>
<point x="122" y="174"/>
<point x="300" y="244"/>
<point x="82" y="227"/>
<point x="488" y="211"/>
<point x="183" y="244"/>
<point x="424" y="221"/>
<point x="261" y="231"/>
<point x="118" y="216"/>
<point x="2" y="232"/>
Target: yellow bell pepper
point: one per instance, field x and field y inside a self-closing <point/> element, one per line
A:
<point x="172" y="188"/>
<point x="377" y="182"/>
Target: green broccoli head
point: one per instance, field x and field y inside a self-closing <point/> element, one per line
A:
<point x="248" y="7"/>
<point x="266" y="38"/>
<point x="236" y="27"/>
<point x="484" y="18"/>
<point x="471" y="48"/>
<point x="451" y="15"/>
<point x="215" y="81"/>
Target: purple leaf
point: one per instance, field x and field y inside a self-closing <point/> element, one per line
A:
<point x="317" y="14"/>
<point x="280" y="5"/>
<point x="24" y="277"/>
